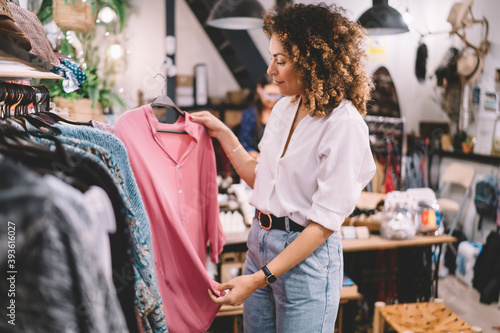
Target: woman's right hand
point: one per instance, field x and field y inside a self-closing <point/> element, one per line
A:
<point x="242" y="162"/>
<point x="213" y="124"/>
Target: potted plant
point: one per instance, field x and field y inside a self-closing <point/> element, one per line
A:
<point x="468" y="144"/>
<point x="95" y="94"/>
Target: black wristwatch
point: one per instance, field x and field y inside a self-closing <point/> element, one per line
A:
<point x="270" y="277"/>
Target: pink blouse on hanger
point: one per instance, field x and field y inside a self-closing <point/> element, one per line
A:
<point x="176" y="175"/>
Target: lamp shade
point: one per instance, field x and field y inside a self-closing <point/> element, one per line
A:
<point x="236" y="15"/>
<point x="382" y="19"/>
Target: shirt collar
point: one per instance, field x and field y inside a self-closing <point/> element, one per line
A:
<point x="183" y="123"/>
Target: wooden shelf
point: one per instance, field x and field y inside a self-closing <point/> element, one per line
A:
<point x="15" y="68"/>
<point x="486" y="159"/>
<point x="17" y="63"/>
<point x="214" y="107"/>
<point x="220" y="110"/>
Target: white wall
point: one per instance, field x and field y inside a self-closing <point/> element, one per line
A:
<point x="146" y="31"/>
<point x="144" y="39"/>
<point x="194" y="46"/>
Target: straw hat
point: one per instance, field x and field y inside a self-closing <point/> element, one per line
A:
<point x="469" y="67"/>
<point x="457" y="15"/>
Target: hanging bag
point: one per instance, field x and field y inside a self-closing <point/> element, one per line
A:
<point x="74" y="15"/>
<point x="486" y="199"/>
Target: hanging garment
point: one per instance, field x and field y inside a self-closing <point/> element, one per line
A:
<point x="487" y="270"/>
<point x="391" y="179"/>
<point x="147" y="296"/>
<point x="176" y="175"/>
<point x="89" y="169"/>
<point x="119" y="153"/>
<point x="414" y="175"/>
<point x="60" y="284"/>
<point x="378" y="179"/>
<point x="86" y="168"/>
<point x="102" y="126"/>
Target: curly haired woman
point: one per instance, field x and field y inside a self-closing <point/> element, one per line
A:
<point x="315" y="160"/>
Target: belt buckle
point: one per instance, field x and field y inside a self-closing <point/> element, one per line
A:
<point x="270" y="221"/>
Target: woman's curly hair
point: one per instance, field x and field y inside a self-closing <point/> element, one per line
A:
<point x="327" y="52"/>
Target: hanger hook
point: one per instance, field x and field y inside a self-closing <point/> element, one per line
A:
<point x="164" y="80"/>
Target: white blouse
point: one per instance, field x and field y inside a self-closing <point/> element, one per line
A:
<point x="327" y="163"/>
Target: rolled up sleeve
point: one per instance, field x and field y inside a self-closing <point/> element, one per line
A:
<point x="346" y="166"/>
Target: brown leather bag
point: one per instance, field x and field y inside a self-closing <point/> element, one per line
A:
<point x="9" y="30"/>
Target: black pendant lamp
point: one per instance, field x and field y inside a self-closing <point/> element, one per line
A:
<point x="382" y="19"/>
<point x="236" y="15"/>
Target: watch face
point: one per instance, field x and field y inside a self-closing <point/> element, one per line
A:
<point x="271" y="278"/>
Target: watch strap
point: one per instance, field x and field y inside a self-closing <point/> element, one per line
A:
<point x="270" y="277"/>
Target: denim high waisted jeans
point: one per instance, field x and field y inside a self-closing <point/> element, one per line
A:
<point x="305" y="298"/>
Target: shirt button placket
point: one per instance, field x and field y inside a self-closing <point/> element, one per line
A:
<point x="179" y="186"/>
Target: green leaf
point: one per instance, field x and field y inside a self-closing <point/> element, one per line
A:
<point x="66" y="47"/>
<point x="94" y="96"/>
<point x="121" y="10"/>
<point x="109" y="99"/>
<point x="45" y="12"/>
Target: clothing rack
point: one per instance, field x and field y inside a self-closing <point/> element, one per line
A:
<point x="383" y="119"/>
<point x="17" y="98"/>
<point x="386" y="131"/>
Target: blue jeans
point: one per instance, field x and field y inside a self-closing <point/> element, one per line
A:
<point x="305" y="298"/>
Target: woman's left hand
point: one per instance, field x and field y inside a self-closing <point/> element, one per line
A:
<point x="239" y="289"/>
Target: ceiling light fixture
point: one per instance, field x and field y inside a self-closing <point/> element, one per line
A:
<point x="382" y="19"/>
<point x="236" y="15"/>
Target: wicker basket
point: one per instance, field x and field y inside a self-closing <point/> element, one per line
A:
<point x="74" y="15"/>
<point x="80" y="110"/>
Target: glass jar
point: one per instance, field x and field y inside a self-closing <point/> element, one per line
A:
<point x="397" y="222"/>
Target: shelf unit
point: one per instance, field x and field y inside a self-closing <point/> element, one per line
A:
<point x="17" y="63"/>
<point x="216" y="107"/>
<point x="220" y="111"/>
<point x="13" y="68"/>
<point x="484" y="159"/>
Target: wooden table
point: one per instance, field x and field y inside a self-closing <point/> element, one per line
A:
<point x="375" y="242"/>
<point x="237" y="242"/>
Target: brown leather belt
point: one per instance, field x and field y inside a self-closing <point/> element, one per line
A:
<point x="269" y="221"/>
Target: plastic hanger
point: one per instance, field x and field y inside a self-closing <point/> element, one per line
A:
<point x="165" y="101"/>
<point x="27" y="96"/>
<point x="51" y="116"/>
<point x="42" y="99"/>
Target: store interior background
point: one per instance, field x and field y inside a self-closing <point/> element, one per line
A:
<point x="144" y="46"/>
<point x="145" y="33"/>
<point x="144" y="43"/>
